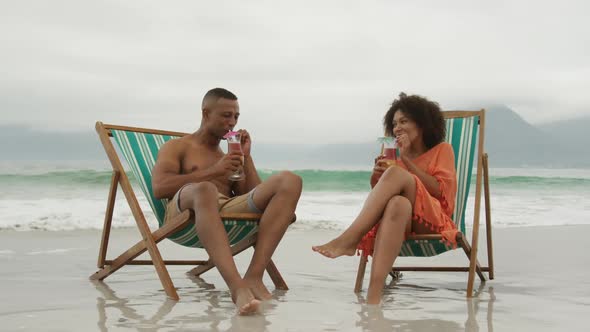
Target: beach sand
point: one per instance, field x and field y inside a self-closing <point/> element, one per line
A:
<point x="541" y="285"/>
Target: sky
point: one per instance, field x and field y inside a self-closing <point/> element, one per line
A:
<point x="304" y="71"/>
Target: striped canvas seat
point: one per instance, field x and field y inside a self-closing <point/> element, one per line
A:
<point x="140" y="151"/>
<point x="462" y="135"/>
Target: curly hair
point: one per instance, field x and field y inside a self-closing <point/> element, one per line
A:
<point x="425" y="113"/>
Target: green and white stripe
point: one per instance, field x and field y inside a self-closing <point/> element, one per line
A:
<point x="140" y="151"/>
<point x="462" y="135"/>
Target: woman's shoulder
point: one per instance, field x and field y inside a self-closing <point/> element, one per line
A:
<point x="443" y="146"/>
<point x="444" y="150"/>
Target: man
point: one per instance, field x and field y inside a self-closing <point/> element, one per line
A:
<point x="193" y="171"/>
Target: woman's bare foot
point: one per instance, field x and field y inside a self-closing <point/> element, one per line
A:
<point x="374" y="295"/>
<point x="336" y="248"/>
<point x="245" y="301"/>
<point x="258" y="289"/>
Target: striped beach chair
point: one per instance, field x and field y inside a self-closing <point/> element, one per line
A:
<point x="139" y="148"/>
<point x="465" y="132"/>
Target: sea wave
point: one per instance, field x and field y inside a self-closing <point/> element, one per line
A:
<point x="315" y="210"/>
<point x="313" y="180"/>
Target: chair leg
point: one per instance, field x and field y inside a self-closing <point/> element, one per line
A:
<point x="474" y="267"/>
<point x="138" y="249"/>
<point x="149" y="244"/>
<point x="197" y="271"/>
<point x="470" y="281"/>
<point x="161" y="269"/>
<point x="467" y="249"/>
<point x="360" y="275"/>
<point x="271" y="268"/>
<point x="276" y="277"/>
<point x="235" y="249"/>
<point x="486" y="187"/>
<point x="108" y="218"/>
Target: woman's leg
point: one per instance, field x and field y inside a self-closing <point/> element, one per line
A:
<point x="395" y="181"/>
<point x="390" y="237"/>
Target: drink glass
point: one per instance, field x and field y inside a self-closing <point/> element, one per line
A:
<point x="390" y="151"/>
<point x="234" y="145"/>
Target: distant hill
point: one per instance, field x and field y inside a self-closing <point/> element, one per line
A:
<point x="22" y="143"/>
<point x="572" y="130"/>
<point x="513" y="142"/>
<point x="510" y="142"/>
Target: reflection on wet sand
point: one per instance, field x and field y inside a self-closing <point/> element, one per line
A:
<point x="129" y="316"/>
<point x="372" y="317"/>
<point x="473" y="308"/>
<point x="205" y="308"/>
<point x="186" y="315"/>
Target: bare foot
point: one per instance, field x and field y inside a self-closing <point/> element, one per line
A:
<point x="258" y="289"/>
<point x="375" y="300"/>
<point x="335" y="248"/>
<point x="374" y="296"/>
<point x="245" y="301"/>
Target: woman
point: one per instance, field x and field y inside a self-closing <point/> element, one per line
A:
<point x="415" y="196"/>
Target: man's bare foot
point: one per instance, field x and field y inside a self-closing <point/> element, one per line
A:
<point x="258" y="289"/>
<point x="335" y="248"/>
<point x="245" y="301"/>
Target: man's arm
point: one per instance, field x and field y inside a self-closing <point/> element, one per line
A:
<point x="252" y="178"/>
<point x="250" y="172"/>
<point x="167" y="177"/>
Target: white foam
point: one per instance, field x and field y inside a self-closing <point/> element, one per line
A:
<point x="509" y="208"/>
<point x="316" y="210"/>
<point x="53" y="251"/>
<point x="45" y="166"/>
<point x="67" y="214"/>
<point x="577" y="173"/>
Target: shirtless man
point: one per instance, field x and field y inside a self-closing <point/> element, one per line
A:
<point x="193" y="171"/>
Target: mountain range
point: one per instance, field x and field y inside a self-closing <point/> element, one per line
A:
<point x="510" y="142"/>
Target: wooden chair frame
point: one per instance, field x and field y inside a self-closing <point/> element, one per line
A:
<point x="150" y="239"/>
<point x="470" y="251"/>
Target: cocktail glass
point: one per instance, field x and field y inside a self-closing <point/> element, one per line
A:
<point x="389" y="148"/>
<point x="234" y="145"/>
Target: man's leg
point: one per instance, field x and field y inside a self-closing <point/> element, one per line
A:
<point x="202" y="198"/>
<point x="277" y="197"/>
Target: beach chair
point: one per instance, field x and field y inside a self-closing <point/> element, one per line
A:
<point x="139" y="148"/>
<point x="462" y="133"/>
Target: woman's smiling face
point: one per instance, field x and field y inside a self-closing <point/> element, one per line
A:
<point x="403" y="124"/>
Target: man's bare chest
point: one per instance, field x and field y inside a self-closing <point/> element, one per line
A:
<point x="199" y="159"/>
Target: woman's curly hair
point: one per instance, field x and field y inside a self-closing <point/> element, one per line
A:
<point x="425" y="113"/>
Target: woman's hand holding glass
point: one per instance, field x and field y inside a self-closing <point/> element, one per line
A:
<point x="381" y="165"/>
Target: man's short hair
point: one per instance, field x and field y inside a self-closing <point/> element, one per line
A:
<point x="214" y="94"/>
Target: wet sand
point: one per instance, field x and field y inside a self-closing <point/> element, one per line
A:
<point x="541" y="285"/>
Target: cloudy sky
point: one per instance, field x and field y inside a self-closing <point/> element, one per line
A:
<point x="306" y="71"/>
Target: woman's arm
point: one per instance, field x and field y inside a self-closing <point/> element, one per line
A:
<point x="378" y="170"/>
<point x="428" y="180"/>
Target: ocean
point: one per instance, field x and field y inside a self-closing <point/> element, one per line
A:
<point x="52" y="196"/>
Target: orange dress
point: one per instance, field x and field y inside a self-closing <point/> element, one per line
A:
<point x="435" y="213"/>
